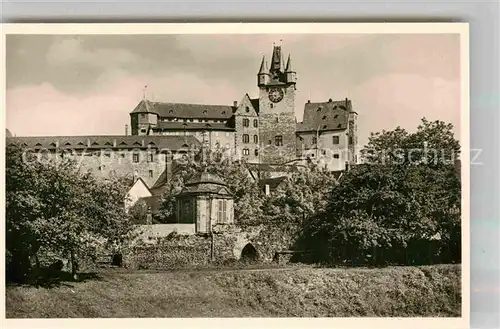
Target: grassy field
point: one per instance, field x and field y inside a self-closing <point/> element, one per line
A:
<point x="283" y="292"/>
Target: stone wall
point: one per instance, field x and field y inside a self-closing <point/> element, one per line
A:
<point x="277" y="119"/>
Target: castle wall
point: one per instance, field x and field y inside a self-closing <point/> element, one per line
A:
<point x="333" y="156"/>
<point x="104" y="163"/>
<point x="246" y="111"/>
<point x="277" y="119"/>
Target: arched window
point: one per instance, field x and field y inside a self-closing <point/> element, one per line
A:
<point x="246" y="122"/>
<point x="256" y="139"/>
<point x="246" y="138"/>
<point x="255" y="123"/>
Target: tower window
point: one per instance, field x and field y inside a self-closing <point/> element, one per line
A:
<point x="135" y="157"/>
<point x="143" y="116"/>
<point x="150" y="157"/>
<point x="246" y="138"/>
<point x="247" y="109"/>
<point x="336" y="156"/>
<point x="255" y="123"/>
<point x="246" y="122"/>
<point x="272" y="105"/>
<point x="150" y="174"/>
<point x="350" y="140"/>
<point x="256" y="139"/>
<point x="256" y="152"/>
<point x="315" y="140"/>
<point x="246" y="152"/>
<point x="335" y="140"/>
<point x="277" y="120"/>
<point x="278" y="140"/>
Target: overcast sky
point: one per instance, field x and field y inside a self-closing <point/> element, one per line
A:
<point x="87" y="85"/>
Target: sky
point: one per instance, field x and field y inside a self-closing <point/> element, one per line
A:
<point x="88" y="84"/>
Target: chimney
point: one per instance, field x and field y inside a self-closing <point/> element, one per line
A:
<point x="88" y="142"/>
<point x="114" y="142"/>
<point x="329" y="100"/>
<point x="308" y="101"/>
<point x="235" y="103"/>
<point x="346" y="101"/>
<point x="126" y="130"/>
<point x="142" y="142"/>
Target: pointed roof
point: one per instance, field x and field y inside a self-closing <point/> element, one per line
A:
<point x="276" y="59"/>
<point x="262" y="69"/>
<point x="289" y="65"/>
<point x="205" y="177"/>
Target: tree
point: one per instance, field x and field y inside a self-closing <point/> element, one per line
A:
<point x="51" y="205"/>
<point x="393" y="207"/>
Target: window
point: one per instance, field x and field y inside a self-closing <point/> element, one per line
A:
<point x="350" y="140"/>
<point x="272" y="105"/>
<point x="246" y="122"/>
<point x="186" y="215"/>
<point x="315" y="140"/>
<point x="255" y="123"/>
<point x="246" y="138"/>
<point x="221" y="214"/>
<point x="256" y="152"/>
<point x="143" y="115"/>
<point x="277" y="120"/>
<point x="336" y="156"/>
<point x="323" y="152"/>
<point x="278" y="140"/>
<point x="335" y="140"/>
<point x="247" y="109"/>
<point x="256" y="139"/>
<point x="324" y="117"/>
<point x="151" y="157"/>
<point x="150" y="174"/>
<point x="336" y="116"/>
<point x="143" y="131"/>
<point x="135" y="157"/>
<point x="246" y="152"/>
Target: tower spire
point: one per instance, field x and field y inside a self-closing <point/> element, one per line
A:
<point x="288" y="64"/>
<point x="276" y="59"/>
<point x="263" y="65"/>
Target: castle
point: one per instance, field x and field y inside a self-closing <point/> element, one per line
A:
<point x="261" y="131"/>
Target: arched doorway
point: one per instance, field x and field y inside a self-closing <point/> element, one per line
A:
<point x="117" y="260"/>
<point x="249" y="253"/>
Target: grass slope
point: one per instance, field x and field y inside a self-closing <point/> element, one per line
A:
<point x="288" y="292"/>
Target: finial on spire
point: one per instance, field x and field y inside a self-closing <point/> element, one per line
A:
<point x="144" y="92"/>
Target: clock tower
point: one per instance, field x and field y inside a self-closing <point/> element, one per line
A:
<point x="276" y="109"/>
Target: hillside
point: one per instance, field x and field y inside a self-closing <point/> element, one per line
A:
<point x="286" y="292"/>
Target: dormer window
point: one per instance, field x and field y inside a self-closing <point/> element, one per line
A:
<point x="223" y="112"/>
<point x="247" y="109"/>
<point x="324" y="117"/>
<point x="204" y="111"/>
<point x="336" y="116"/>
<point x="339" y="126"/>
<point x="171" y="112"/>
<point x="325" y="126"/>
<point x="319" y="109"/>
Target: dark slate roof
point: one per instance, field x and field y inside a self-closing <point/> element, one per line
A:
<point x="205" y="177"/>
<point x="272" y="182"/>
<point x="204" y="182"/>
<point x="144" y="106"/>
<point x="106" y="142"/>
<point x="184" y="110"/>
<point x="331" y="115"/>
<point x="255" y="104"/>
<point x="192" y="126"/>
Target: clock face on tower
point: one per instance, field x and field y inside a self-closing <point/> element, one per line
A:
<point x="275" y="95"/>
